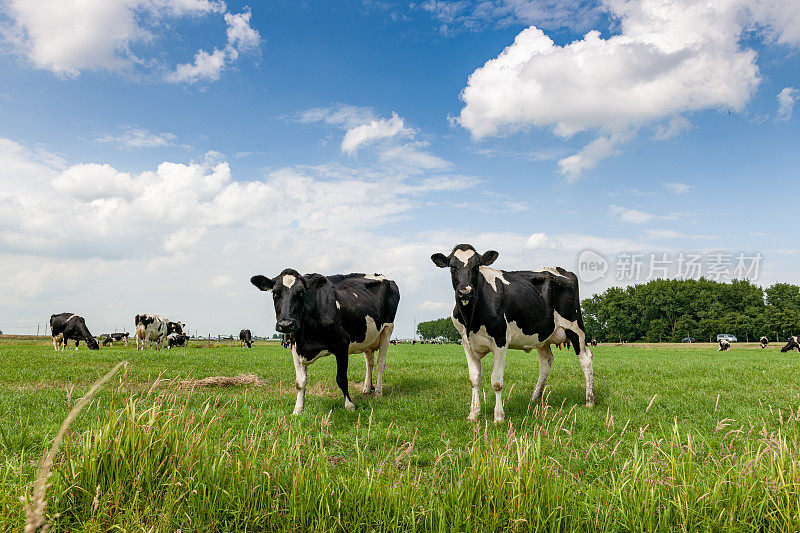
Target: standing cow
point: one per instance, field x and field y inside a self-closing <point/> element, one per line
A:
<point x="793" y="344"/>
<point x="154" y="329"/>
<point x="69" y="326"/>
<point x="524" y="310"/>
<point x="763" y="341"/>
<point x="246" y="338"/>
<point x="111" y="338"/>
<point x="339" y="315"/>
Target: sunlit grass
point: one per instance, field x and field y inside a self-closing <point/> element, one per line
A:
<point x="682" y="438"/>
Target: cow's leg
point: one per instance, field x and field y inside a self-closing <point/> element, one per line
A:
<point x="76" y="345"/>
<point x="369" y="359"/>
<point x="386" y="336"/>
<point x="54" y="344"/>
<point x="585" y="358"/>
<point x="545" y="363"/>
<point x="497" y="381"/>
<point x="341" y="376"/>
<point x="301" y="374"/>
<point x="474" y="367"/>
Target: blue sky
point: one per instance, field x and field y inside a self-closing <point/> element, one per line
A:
<point x="155" y="154"/>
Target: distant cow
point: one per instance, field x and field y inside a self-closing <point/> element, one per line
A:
<point x="523" y="310"/>
<point x="175" y="327"/>
<point x="340" y="314"/>
<point x="763" y="341"/>
<point x="111" y="338"/>
<point x="177" y="340"/>
<point x="150" y="329"/>
<point x="246" y="338"/>
<point x="723" y="345"/>
<point x="793" y="344"/>
<point x="69" y="326"/>
<point x="594" y="342"/>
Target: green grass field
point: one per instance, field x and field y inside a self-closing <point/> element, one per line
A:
<point x="682" y="438"/>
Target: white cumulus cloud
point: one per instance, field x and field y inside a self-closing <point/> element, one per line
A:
<point x="68" y="37"/>
<point x="384" y="128"/>
<point x="786" y="100"/>
<point x="666" y="61"/>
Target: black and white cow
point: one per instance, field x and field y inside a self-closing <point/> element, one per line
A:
<point x="69" y="326"/>
<point x="763" y="341"/>
<point x="339" y="315"/>
<point x="793" y="344"/>
<point x="246" y="338"/>
<point x="175" y="327"/>
<point x="111" y="338"/>
<point x="594" y="342"/>
<point x="524" y="310"/>
<point x="723" y="345"/>
<point x="150" y="329"/>
<point x="177" y="340"/>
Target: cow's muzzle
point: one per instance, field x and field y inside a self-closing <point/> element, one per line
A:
<point x="287" y="325"/>
<point x="465" y="295"/>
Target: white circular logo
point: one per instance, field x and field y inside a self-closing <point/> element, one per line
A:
<point x="591" y="266"/>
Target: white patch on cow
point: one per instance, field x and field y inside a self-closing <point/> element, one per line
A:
<point x="338" y="305"/>
<point x="491" y="275"/>
<point x="372" y="339"/>
<point x="552" y="270"/>
<point x="356" y="295"/>
<point x="481" y="342"/>
<point x="516" y="339"/>
<point x="376" y="277"/>
<point x="561" y="326"/>
<point x="288" y="280"/>
<point x="464" y="255"/>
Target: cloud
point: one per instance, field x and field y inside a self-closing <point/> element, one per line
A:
<point x="69" y="37"/>
<point x="634" y="216"/>
<point x="677" y="188"/>
<point x="412" y="156"/>
<point x="374" y="130"/>
<point x="672" y="234"/>
<point x="347" y="116"/>
<point x="132" y="137"/>
<point x="786" y="100"/>
<point x="665" y="62"/>
<point x="208" y="66"/>
<point x="180" y="236"/>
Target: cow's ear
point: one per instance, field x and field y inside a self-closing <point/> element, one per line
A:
<point x="314" y="281"/>
<point x="262" y="282"/>
<point x="440" y="260"/>
<point x="489" y="257"/>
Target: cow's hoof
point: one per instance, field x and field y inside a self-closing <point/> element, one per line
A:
<point x="472" y="418"/>
<point x="366" y="390"/>
<point x="349" y="406"/>
<point x="589" y="403"/>
<point x="297" y="412"/>
<point x="498" y="418"/>
<point x="378" y="394"/>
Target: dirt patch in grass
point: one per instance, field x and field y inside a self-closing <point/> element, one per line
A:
<point x="223" y="381"/>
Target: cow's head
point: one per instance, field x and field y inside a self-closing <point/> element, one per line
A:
<point x="289" y="292"/>
<point x="793" y="344"/>
<point x="464" y="262"/>
<point x="91" y="342"/>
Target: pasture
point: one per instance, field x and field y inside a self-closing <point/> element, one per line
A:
<point x="682" y="438"/>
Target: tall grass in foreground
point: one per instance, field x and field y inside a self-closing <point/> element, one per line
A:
<point x="154" y="464"/>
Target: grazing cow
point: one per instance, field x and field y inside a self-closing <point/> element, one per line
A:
<point x="594" y="342"/>
<point x="723" y="345"/>
<point x="342" y="315"/>
<point x="793" y="344"/>
<point x="177" y="340"/>
<point x="150" y="329"/>
<point x="763" y="341"/>
<point x="69" y="326"/>
<point x="111" y="338"/>
<point x="523" y="310"/>
<point x="246" y="338"/>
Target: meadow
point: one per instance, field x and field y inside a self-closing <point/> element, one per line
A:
<point x="682" y="438"/>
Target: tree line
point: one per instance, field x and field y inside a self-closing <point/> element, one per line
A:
<point x="668" y="310"/>
<point x="441" y="328"/>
